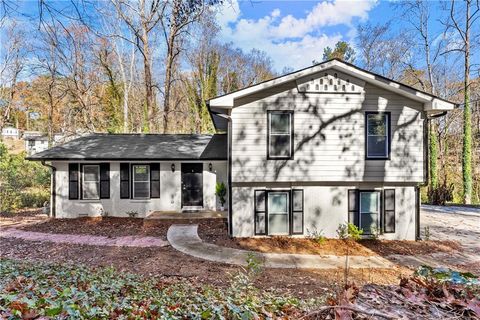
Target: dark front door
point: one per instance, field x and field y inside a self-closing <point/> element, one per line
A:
<point x="192" y="184"/>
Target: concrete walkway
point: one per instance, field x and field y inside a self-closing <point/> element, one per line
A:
<point x="185" y="239"/>
<point x="127" y="241"/>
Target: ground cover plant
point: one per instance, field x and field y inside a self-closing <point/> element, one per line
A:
<point x="31" y="290"/>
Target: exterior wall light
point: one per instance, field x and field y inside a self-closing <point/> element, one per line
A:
<point x="210" y="166"/>
<point x="173" y="167"/>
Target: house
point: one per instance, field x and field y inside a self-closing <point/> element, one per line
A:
<point x="34" y="142"/>
<point x="303" y="153"/>
<point x="10" y="132"/>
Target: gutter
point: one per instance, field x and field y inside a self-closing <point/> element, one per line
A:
<point x="53" y="188"/>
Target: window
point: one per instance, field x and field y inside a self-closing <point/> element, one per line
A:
<point x="377" y="135"/>
<point x="369" y="211"/>
<point x="141" y="181"/>
<point x="90" y="182"/>
<point x="280" y="135"/>
<point x="278" y="212"/>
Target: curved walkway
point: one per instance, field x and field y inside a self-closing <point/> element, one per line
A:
<point x="185" y="239"/>
<point x="127" y="241"/>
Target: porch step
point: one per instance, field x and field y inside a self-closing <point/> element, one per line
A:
<point x="192" y="209"/>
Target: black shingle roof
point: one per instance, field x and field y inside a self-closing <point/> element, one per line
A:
<point x="139" y="147"/>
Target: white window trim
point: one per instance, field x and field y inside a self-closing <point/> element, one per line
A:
<point x="84" y="182"/>
<point x="386" y="118"/>
<point x="287" y="214"/>
<point x="133" y="181"/>
<point x="379" y="208"/>
<point x="289" y="133"/>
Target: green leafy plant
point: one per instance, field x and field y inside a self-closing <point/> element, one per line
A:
<point x="23" y="183"/>
<point x="221" y="192"/>
<point x="40" y="290"/>
<point x="316" y="236"/>
<point x="349" y="231"/>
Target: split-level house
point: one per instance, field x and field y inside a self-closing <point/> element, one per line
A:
<point x="300" y="154"/>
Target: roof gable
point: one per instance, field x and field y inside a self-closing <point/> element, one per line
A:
<point x="304" y="77"/>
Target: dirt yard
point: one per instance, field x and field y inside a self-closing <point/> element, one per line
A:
<point x="167" y="261"/>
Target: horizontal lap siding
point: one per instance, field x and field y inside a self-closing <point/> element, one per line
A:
<point x="330" y="130"/>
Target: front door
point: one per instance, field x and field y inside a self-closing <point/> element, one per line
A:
<point x="192" y="184"/>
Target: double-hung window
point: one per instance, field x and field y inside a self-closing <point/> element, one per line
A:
<point x="141" y="181"/>
<point x="280" y="135"/>
<point x="91" y="182"/>
<point x="377" y="135"/>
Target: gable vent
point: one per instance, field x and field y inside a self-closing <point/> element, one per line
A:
<point x="331" y="82"/>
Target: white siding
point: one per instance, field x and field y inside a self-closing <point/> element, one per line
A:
<point x="325" y="208"/>
<point x="170" y="192"/>
<point x="329" y="137"/>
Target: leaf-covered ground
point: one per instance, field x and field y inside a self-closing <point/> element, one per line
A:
<point x="34" y="290"/>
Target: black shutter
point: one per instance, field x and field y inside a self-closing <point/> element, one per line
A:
<point x="353" y="212"/>
<point x="155" y="180"/>
<point x="73" y="181"/>
<point x="124" y="180"/>
<point x="260" y="212"/>
<point x="104" y="180"/>
<point x="389" y="211"/>
<point x="297" y="211"/>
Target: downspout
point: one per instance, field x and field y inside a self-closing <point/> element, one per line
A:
<point x="53" y="188"/>
<point x="229" y="171"/>
<point x="426" y="126"/>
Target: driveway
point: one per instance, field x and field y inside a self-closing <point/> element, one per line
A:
<point x="456" y="223"/>
<point x="453" y="223"/>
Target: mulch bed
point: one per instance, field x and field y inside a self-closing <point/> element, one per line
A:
<point x="168" y="262"/>
<point x="216" y="233"/>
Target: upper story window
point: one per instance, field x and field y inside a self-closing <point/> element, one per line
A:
<point x="377" y="135"/>
<point x="280" y="135"/>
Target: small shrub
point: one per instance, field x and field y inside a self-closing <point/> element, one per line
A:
<point x="316" y="236"/>
<point x="34" y="198"/>
<point x="349" y="231"/>
<point x="221" y="192"/>
<point x="342" y="231"/>
<point x="9" y="199"/>
<point x="375" y="232"/>
<point x="104" y="213"/>
<point x="354" y="232"/>
<point x="132" y="214"/>
<point x="440" y="195"/>
<point x="427" y="233"/>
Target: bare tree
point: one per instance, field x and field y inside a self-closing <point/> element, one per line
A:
<point x="142" y="17"/>
<point x="11" y="65"/>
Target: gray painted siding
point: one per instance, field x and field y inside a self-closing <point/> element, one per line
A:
<point x="325" y="208"/>
<point x="329" y="137"/>
<point x="170" y="192"/>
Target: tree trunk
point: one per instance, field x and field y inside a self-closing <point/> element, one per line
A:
<point x="467" y="118"/>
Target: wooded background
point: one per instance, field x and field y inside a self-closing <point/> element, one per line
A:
<point x="149" y="65"/>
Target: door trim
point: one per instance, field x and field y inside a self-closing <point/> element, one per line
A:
<point x="183" y="205"/>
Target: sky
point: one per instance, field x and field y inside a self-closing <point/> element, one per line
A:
<point x="294" y="33"/>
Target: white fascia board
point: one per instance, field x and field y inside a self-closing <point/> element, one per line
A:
<point x="430" y="103"/>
